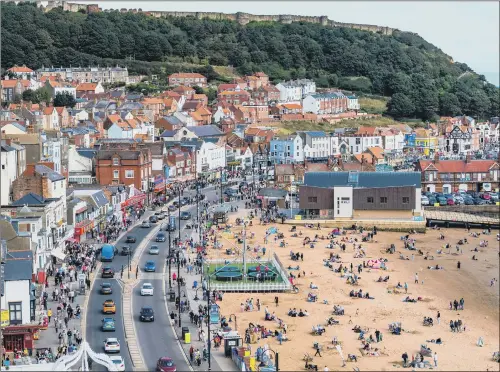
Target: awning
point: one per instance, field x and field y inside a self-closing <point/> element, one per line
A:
<point x="58" y="253"/>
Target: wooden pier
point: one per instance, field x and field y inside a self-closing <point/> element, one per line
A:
<point x="461" y="218"/>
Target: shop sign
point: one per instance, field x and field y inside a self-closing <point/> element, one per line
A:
<point x="159" y="183"/>
<point x="4" y="318"/>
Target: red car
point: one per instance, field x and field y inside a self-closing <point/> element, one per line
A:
<point x="166" y="365"/>
<point x="450" y="202"/>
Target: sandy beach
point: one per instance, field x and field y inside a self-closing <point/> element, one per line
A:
<point x="436" y="288"/>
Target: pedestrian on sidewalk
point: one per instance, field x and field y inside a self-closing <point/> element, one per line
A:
<point x="276" y="300"/>
<point x="191" y="354"/>
<point x="49" y="314"/>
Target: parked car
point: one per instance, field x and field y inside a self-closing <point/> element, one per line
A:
<point x="147" y="289"/>
<point x="172" y="208"/>
<point x="469" y="201"/>
<point x="106" y="288"/>
<point x="442" y="201"/>
<point x="118" y="362"/>
<point x="450" y="202"/>
<point x="126" y="250"/>
<point x="425" y="200"/>
<point x="131" y="239"/>
<point x="154" y="249"/>
<point x="165" y="365"/>
<point x="458" y="199"/>
<point x="107" y="272"/>
<point x="108" y="325"/>
<point x="147" y="314"/>
<point x="485" y="196"/>
<point x="432" y="201"/>
<point x="494" y="196"/>
<point x="150" y="267"/>
<point x="479" y="201"/>
<point x="160" y="237"/>
<point x="112" y="345"/>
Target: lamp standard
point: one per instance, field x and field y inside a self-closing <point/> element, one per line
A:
<point x="179" y="283"/>
<point x="179" y="227"/>
<point x="235" y="321"/>
<point x="169" y="252"/>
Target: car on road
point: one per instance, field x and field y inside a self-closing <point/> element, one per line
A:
<point x="154" y="249"/>
<point x="153" y="219"/>
<point x="161" y="216"/>
<point x="106" y="288"/>
<point x="109" y="307"/>
<point x="111" y="345"/>
<point x="176" y="203"/>
<point x="118" y="362"/>
<point x="107" y="272"/>
<point x="166" y="364"/>
<point x="147" y="289"/>
<point x="108" y="325"/>
<point x="126" y="250"/>
<point x="131" y="239"/>
<point x="147" y="314"/>
<point x="150" y="267"/>
<point x="172" y="208"/>
<point x="160" y="237"/>
<point x="184" y="201"/>
<point x="146" y="224"/>
<point x="185" y="215"/>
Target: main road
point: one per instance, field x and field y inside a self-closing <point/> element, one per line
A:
<point x="157" y="339"/>
<point x="94" y="335"/>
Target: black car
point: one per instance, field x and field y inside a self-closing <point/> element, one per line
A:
<point x="161" y="237"/>
<point x="153" y="219"/>
<point x="126" y="250"/>
<point x="176" y="204"/>
<point x="185" y="215"/>
<point x="147" y="314"/>
<point x="184" y="201"/>
<point x="131" y="239"/>
<point x="201" y="196"/>
<point x="106" y="288"/>
<point x="107" y="272"/>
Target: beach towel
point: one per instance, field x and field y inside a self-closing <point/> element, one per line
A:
<point x="272" y="230"/>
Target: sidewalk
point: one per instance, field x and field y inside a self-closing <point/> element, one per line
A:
<point x="218" y="361"/>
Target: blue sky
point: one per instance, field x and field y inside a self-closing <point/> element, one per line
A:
<point x="468" y="31"/>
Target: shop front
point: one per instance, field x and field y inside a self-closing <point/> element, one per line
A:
<point x="18" y="338"/>
<point x="159" y="189"/>
<point x="132" y="205"/>
<point x="83" y="230"/>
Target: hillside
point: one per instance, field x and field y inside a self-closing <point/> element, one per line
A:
<point x="420" y="78"/>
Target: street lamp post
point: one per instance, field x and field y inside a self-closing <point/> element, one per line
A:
<point x="221" y="170"/>
<point x="235" y="321"/>
<point x="129" y="268"/>
<point x="179" y="282"/>
<point x="169" y="252"/>
<point x="208" y="324"/>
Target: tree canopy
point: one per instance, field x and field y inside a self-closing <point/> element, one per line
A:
<point x="346" y="58"/>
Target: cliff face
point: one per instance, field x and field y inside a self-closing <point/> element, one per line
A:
<point x="241" y="18"/>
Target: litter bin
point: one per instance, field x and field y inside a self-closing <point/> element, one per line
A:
<point x="187" y="338"/>
<point x="184" y="331"/>
<point x="171" y="295"/>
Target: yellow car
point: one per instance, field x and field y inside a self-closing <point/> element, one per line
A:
<point x="109" y="307"/>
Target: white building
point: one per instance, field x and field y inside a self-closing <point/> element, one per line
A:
<point x="358" y="143"/>
<point x="352" y="103"/>
<point x="51" y="151"/>
<point x="8" y="172"/>
<point x="80" y="166"/>
<point x="318" y="144"/>
<point x="210" y="157"/>
<point x="392" y="140"/>
<point x="289" y="93"/>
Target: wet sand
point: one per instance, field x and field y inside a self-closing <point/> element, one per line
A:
<point x="436" y="287"/>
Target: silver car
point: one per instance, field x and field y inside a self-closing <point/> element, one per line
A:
<point x="154" y="249"/>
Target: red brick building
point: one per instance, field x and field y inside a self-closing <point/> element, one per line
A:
<point x="234" y="97"/>
<point x="124" y="164"/>
<point x="188" y="79"/>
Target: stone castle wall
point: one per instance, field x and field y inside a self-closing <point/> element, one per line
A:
<point x="241" y="18"/>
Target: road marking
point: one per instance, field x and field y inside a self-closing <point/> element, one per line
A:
<point x="83" y="325"/>
<point x="171" y="323"/>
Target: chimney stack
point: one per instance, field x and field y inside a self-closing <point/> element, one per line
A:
<point x="467" y="159"/>
<point x="436" y="158"/>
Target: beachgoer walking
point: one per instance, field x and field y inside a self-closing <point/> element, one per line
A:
<point x="458" y="265"/>
<point x="276" y="300"/>
<point x="406" y="287"/>
<point x="435" y="359"/>
<point x="439" y="317"/>
<point x="405" y="359"/>
<point x="416" y="278"/>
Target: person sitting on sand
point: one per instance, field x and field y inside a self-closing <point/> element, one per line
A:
<point x="313" y="286"/>
<point x="399" y="285"/>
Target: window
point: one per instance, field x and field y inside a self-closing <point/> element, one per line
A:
<point x="129" y="173"/>
<point x="358" y="141"/>
<point x="15" y="313"/>
<point x="312" y="199"/>
<point x="116" y="174"/>
<point x="3" y="166"/>
<point x="383" y="200"/>
<point x="369" y="199"/>
<point x="116" y="161"/>
<point x="406" y="200"/>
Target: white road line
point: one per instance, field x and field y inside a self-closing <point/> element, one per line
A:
<point x="171" y="323"/>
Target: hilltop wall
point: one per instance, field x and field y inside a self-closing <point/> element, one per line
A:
<point x="241" y="18"/>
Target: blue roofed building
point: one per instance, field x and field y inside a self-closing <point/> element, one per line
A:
<point x="360" y="195"/>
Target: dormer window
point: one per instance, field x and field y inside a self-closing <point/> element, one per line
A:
<point x="116" y="162"/>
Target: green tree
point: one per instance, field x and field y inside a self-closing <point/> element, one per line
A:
<point x="449" y="104"/>
<point x="400" y="106"/>
<point x="64" y="99"/>
<point x="30" y="95"/>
